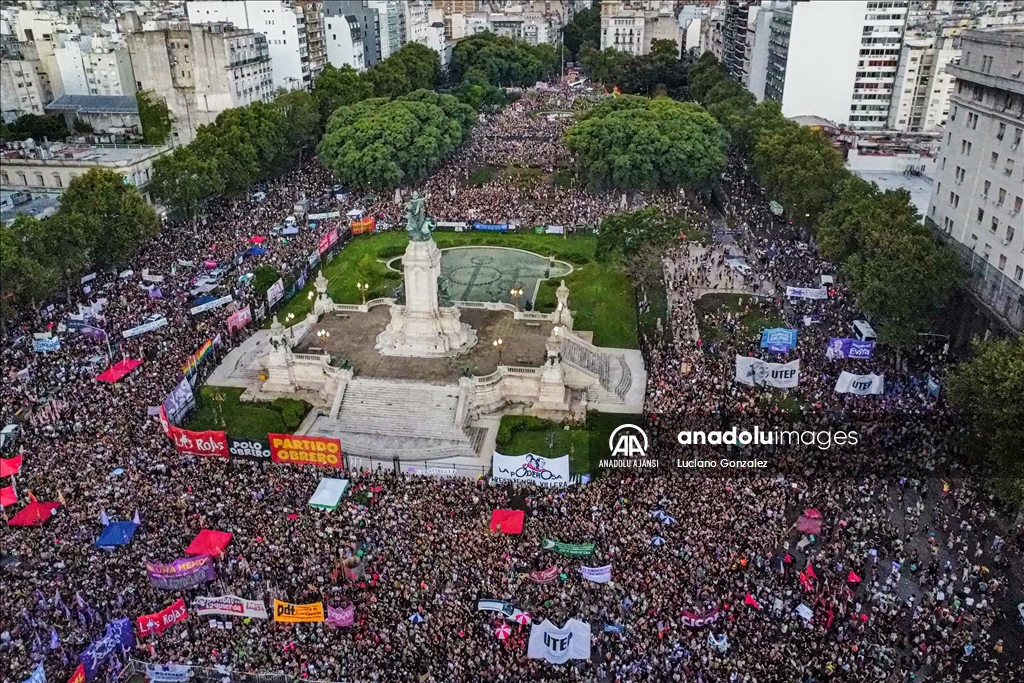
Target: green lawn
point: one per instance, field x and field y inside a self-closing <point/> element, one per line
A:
<point x="520" y="434"/>
<point x="713" y="305"/>
<point x="249" y="420"/>
<point x="601" y="294"/>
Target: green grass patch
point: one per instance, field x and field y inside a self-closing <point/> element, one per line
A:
<point x="601" y="294"/>
<point x="221" y="408"/>
<point x="712" y="311"/>
<point x="562" y="178"/>
<point x="519" y="434"/>
<point x="480" y="177"/>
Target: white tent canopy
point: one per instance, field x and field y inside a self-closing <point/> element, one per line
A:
<point x="328" y="493"/>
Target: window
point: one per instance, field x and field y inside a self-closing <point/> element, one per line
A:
<point x="1002" y="197"/>
<point x="1002" y="131"/>
<point x="1002" y="261"/>
<point x="1009" y="233"/>
<point x="953" y="115"/>
<point x="1017" y="201"/>
<point x="1018" y="274"/>
<point x="57" y="182"/>
<point x="1009" y="167"/>
<point x="995" y="225"/>
<point x="995" y="159"/>
<point x="981" y="215"/>
<point x="1018" y="133"/>
<point x="988" y="186"/>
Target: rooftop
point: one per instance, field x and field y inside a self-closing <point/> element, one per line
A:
<point x="38" y="207"/>
<point x="58" y="153"/>
<point x="95" y="104"/>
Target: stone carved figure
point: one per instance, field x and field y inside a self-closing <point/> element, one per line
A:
<point x="417" y="224"/>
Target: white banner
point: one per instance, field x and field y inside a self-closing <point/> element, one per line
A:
<point x="559" y="645"/>
<point x="167" y="673"/>
<point x="755" y="371"/>
<point x="152" y="277"/>
<point x="275" y="293"/>
<point x="532" y="468"/>
<point x="209" y="305"/>
<point x="321" y="216"/>
<point x="806" y="293"/>
<point x="231" y="605"/>
<point x="597" y="574"/>
<point x="862" y="385"/>
<point x="143" y="329"/>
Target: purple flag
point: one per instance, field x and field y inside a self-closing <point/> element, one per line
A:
<point x="156" y="293"/>
<point x="54" y="640"/>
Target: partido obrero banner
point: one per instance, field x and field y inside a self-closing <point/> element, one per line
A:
<point x="289" y="613"/>
<point x="230" y="605"/>
<point x="183" y="573"/>
<point x="757" y="372"/>
<point x="568" y="549"/>
<point x="322" y="451"/>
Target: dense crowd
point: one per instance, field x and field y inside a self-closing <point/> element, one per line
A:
<point x="931" y="547"/>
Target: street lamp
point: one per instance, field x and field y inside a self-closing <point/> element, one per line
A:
<point x="363" y="288"/>
<point x="323" y="334"/>
<point x="498" y="343"/>
<point x="290" y="317"/>
<point x="516" y="292"/>
<point x="311" y="295"/>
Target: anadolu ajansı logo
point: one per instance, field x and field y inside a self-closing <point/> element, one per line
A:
<point x="628" y="445"/>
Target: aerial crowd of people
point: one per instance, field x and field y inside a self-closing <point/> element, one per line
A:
<point x="908" y="575"/>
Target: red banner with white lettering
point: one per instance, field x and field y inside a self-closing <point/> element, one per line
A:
<point x="208" y="444"/>
<point x="165" y="618"/>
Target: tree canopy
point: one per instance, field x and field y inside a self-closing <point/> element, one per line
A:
<point x="987" y="391"/>
<point x="335" y="88"/>
<point x="659" y="72"/>
<point x="900" y="275"/>
<point x="379" y="143"/>
<point x="36" y="127"/>
<point x="414" y="67"/>
<point x="632" y="143"/>
<point x="155" y="118"/>
<point x="501" y="62"/>
<point x="584" y="29"/>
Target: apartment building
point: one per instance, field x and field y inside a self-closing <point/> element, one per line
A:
<point x="343" y="37"/>
<point x="368" y="19"/>
<point x="200" y="70"/>
<point x="24" y="82"/>
<point x="391" y="14"/>
<point x="94" y="65"/>
<point x="923" y="86"/>
<point x="631" y="25"/>
<point x="282" y="23"/>
<point x="316" y="41"/>
<point x="837" y="60"/>
<point x="978" y="199"/>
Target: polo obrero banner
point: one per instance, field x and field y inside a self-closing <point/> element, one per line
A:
<point x="322" y="451"/>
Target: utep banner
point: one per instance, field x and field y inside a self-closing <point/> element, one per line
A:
<point x="257" y="450"/>
<point x="806" y="293"/>
<point x="159" y="621"/>
<point x="568" y="549"/>
<point x="597" y="574"/>
<point x="118" y="636"/>
<point x="849" y="348"/>
<point x="778" y="340"/>
<point x="755" y="371"/>
<point x="490" y="227"/>
<point x="531" y="468"/>
<point x="559" y="645"/>
<point x="288" y="613"/>
<point x="230" y="605"/>
<point x="861" y="385"/>
<point x="322" y="451"/>
<point x="184" y="573"/>
<point x="167" y="673"/>
<point x="207" y="444"/>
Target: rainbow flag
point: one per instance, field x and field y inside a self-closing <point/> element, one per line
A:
<point x="196" y="358"/>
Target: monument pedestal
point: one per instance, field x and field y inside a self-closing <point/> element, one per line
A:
<point x="421" y="327"/>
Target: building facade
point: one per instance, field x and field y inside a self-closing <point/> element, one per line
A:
<point x="978" y="199"/>
<point x="368" y="18"/>
<point x="631" y="25"/>
<point x="316" y="43"/>
<point x="343" y="37"/>
<point x="201" y="70"/>
<point x="24" y="82"/>
<point x="921" y="93"/>
<point x="859" y="41"/>
<point x="391" y="15"/>
<point x="94" y="65"/>
<point x="281" y="22"/>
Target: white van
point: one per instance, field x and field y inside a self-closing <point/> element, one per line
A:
<point x="863" y="331"/>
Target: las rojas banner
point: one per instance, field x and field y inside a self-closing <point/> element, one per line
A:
<point x="755" y="371"/>
<point x="230" y="605"/>
<point x="569" y="549"/>
<point x="165" y="618"/>
<point x="298" y="614"/>
<point x="209" y="443"/>
<point x="322" y="451"/>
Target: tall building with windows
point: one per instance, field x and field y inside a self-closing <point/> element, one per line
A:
<point x="923" y="86"/>
<point x="392" y="25"/>
<point x="24" y="84"/>
<point x="978" y="202"/>
<point x="631" y="25"/>
<point x="201" y="70"/>
<point x="369" y="20"/>
<point x="280" y="21"/>
<point x="837" y="60"/>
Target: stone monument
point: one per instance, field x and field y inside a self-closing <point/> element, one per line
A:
<point x="422" y="327"/>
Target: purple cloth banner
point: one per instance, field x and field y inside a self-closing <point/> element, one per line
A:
<point x="187" y="572"/>
<point x="119" y="635"/>
<point x="849" y="348"/>
<point x="179" y="401"/>
<point x="341" y="617"/>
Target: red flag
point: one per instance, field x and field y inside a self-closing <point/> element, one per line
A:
<point x="852" y="578"/>
<point x="751" y="601"/>
<point x="810" y="572"/>
<point x="831" y="616"/>
<point x="8" y="497"/>
<point x="804" y="581"/>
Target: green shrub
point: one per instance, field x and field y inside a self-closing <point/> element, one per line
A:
<point x="514" y="424"/>
<point x="292" y="411"/>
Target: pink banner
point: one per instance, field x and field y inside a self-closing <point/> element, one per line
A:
<point x="694" y="620"/>
<point x="239" y="319"/>
<point x="332" y="237"/>
<point x="341" y="617"/>
<point x="158" y="621"/>
<point x="324" y="244"/>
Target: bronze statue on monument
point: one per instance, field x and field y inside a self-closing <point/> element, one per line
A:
<point x="417" y="223"/>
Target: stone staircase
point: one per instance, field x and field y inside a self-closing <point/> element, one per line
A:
<point x="380" y="419"/>
<point x="610" y="369"/>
